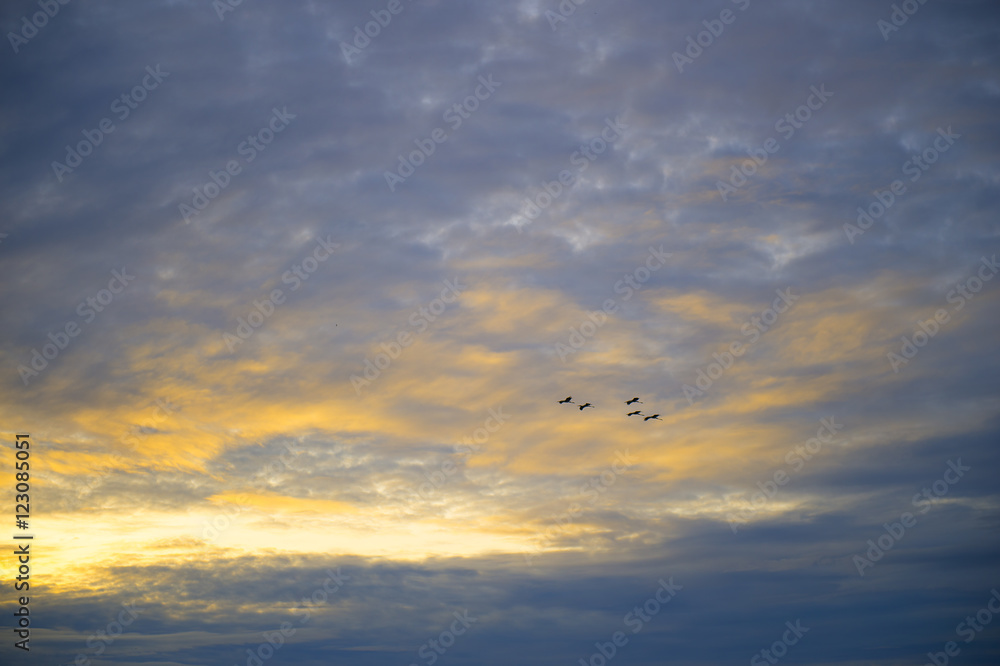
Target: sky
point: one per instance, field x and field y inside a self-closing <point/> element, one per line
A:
<point x="290" y="294"/>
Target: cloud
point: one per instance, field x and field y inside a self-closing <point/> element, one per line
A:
<point x="267" y="467"/>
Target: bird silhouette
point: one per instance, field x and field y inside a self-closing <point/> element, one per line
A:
<point x="634" y="413"/>
<point x="585" y="405"/>
<point x="654" y="416"/>
<point x="629" y="402"/>
<point x="568" y="399"/>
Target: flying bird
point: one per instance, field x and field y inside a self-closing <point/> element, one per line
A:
<point x="585" y="405"/>
<point x="629" y="402"/>
<point x="568" y="399"/>
<point x="654" y="416"/>
<point x="634" y="413"/>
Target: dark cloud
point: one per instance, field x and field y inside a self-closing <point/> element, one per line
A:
<point x="135" y="493"/>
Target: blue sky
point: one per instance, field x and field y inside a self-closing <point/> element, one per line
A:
<point x="287" y="310"/>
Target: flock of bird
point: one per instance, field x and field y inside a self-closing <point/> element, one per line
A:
<point x="569" y="401"/>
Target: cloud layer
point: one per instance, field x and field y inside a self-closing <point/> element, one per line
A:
<point x="283" y="300"/>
